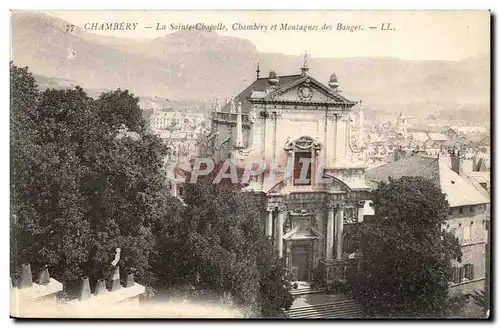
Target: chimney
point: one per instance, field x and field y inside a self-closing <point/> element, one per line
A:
<point x="305" y="67"/>
<point x="455" y="161"/>
<point x="115" y="282"/>
<point x="26" y="277"/>
<point x="84" y="289"/>
<point x="466" y="166"/>
<point x="100" y="289"/>
<point x="130" y="280"/>
<point x="398" y="154"/>
<point x="334" y="82"/>
<point x="43" y="277"/>
<point x="273" y="80"/>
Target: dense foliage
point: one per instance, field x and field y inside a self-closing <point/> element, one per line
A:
<point x="407" y="256"/>
<point x="87" y="178"/>
<point x="220" y="246"/>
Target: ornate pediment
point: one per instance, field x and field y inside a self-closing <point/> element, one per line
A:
<point x="308" y="90"/>
<point x="303" y="143"/>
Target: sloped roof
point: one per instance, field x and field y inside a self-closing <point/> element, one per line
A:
<point x="437" y="136"/>
<point x="408" y="166"/>
<point x="481" y="165"/>
<point x="485" y="141"/>
<point x="476" y="178"/>
<point x="260" y="85"/>
<point x="258" y="90"/>
<point x="459" y="191"/>
<point x="419" y="136"/>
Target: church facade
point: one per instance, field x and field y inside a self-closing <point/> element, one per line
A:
<point x="303" y="126"/>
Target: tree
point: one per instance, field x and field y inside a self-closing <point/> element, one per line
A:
<point x="407" y="257"/>
<point x="23" y="99"/>
<point x="86" y="178"/>
<point x="219" y="246"/>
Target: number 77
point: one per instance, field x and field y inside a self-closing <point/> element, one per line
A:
<point x="70" y="27"/>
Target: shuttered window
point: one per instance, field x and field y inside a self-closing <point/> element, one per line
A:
<point x="458" y="274"/>
<point x="469" y="271"/>
<point x="455" y="277"/>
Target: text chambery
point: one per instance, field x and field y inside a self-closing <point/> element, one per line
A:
<point x="111" y="26"/>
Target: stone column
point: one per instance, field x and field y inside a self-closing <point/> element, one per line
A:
<point x="288" y="255"/>
<point x="279" y="230"/>
<point x="340" y="230"/>
<point x="289" y="169"/>
<point x="239" y="128"/>
<point x="269" y="222"/>
<point x="330" y="232"/>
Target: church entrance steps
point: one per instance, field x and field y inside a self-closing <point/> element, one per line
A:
<point x="323" y="306"/>
<point x="305" y="288"/>
<point x="337" y="310"/>
<point x="306" y="291"/>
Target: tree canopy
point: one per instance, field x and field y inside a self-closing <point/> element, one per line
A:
<point x="407" y="256"/>
<point x="219" y="245"/>
<point x="86" y="178"/>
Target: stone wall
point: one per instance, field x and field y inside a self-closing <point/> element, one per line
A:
<point x="41" y="299"/>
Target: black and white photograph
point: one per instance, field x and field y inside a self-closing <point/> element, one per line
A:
<point x="250" y="164"/>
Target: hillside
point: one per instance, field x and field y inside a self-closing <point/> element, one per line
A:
<point x="198" y="66"/>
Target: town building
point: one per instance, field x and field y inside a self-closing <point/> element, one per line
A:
<point x="402" y="122"/>
<point x="180" y="131"/>
<point x="468" y="214"/>
<point x="299" y="123"/>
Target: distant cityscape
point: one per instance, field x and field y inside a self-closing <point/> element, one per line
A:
<point x="181" y="128"/>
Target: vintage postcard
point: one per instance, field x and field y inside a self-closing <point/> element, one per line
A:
<point x="250" y="164"/>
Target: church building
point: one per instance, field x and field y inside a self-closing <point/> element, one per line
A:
<point x="304" y="124"/>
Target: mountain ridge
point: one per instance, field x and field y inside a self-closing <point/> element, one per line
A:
<point x="200" y="66"/>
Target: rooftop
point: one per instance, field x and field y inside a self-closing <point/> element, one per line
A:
<point x="259" y="89"/>
<point x="458" y="190"/>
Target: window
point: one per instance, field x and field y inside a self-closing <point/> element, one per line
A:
<point x="472" y="209"/>
<point x="457" y="274"/>
<point x="469" y="271"/>
<point x="301" y="164"/>
<point x="461" y="210"/>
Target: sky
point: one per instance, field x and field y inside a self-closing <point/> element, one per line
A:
<point x="416" y="35"/>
